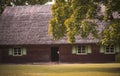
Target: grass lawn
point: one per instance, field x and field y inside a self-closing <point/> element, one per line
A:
<point x="60" y="70"/>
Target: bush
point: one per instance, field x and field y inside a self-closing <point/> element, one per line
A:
<point x="117" y="58"/>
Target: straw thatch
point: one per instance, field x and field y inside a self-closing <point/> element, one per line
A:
<point x="29" y="25"/>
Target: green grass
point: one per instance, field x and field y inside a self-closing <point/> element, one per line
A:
<point x="61" y="70"/>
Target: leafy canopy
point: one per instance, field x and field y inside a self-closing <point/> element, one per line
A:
<point x="76" y="18"/>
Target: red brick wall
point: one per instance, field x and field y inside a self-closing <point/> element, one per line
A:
<point x="39" y="54"/>
<point x="42" y="53"/>
<point x="95" y="57"/>
<point x="34" y="54"/>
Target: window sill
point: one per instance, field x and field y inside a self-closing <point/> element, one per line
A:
<point x="81" y="54"/>
<point x="109" y="53"/>
<point x="17" y="55"/>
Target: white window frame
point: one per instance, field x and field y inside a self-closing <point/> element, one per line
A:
<point x="81" y="48"/>
<point x="110" y="47"/>
<point x="18" y="50"/>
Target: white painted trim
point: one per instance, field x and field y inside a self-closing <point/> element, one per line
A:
<point x="109" y="52"/>
<point x="17" y="54"/>
<point x="82" y="53"/>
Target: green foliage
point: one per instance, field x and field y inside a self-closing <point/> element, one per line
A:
<point x="33" y="2"/>
<point x="78" y="16"/>
<point x="3" y="4"/>
<point x="112" y="33"/>
<point x="117" y="58"/>
<point x="88" y="28"/>
<point x="73" y="16"/>
<point x="61" y="12"/>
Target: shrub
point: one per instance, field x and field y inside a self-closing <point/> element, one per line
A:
<point x="117" y="58"/>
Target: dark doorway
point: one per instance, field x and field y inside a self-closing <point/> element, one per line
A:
<point x="54" y="54"/>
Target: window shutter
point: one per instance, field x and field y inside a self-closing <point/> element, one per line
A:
<point x="102" y="49"/>
<point x="10" y="51"/>
<point x="24" y="51"/>
<point x="74" y="50"/>
<point x="117" y="49"/>
<point x="89" y="49"/>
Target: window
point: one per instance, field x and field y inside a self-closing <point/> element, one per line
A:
<point x="81" y="50"/>
<point x="109" y="49"/>
<point x="17" y="51"/>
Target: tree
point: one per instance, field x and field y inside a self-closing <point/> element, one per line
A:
<point x="61" y="11"/>
<point x="77" y="19"/>
<point x="4" y="3"/>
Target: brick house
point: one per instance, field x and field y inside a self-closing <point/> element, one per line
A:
<point x="24" y="38"/>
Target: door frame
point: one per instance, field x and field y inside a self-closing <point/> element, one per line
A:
<point x="54" y="57"/>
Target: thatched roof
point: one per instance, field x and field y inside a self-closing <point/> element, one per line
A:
<point x="29" y="25"/>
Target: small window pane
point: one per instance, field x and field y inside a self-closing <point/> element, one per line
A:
<point x="15" y="48"/>
<point x="109" y="49"/>
<point x="81" y="50"/>
<point x="83" y="47"/>
<point x="17" y="52"/>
